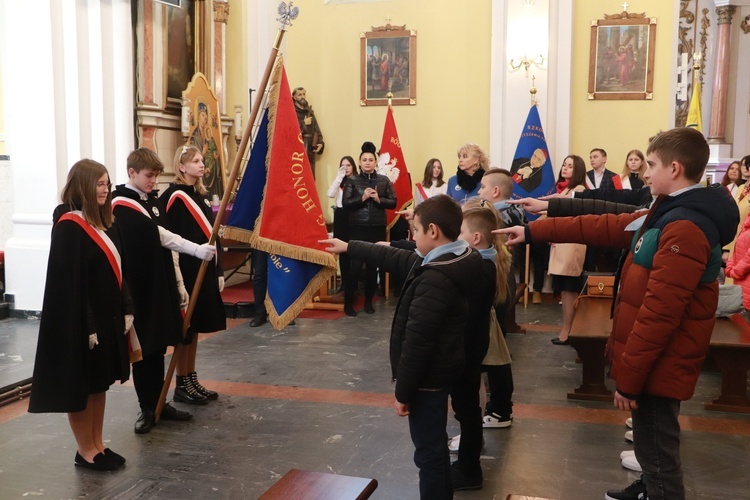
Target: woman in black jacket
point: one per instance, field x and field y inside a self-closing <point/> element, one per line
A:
<point x="366" y="196"/>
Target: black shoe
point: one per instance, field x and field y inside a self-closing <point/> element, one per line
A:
<point x="169" y="412"/>
<point x="636" y="491"/>
<point x="145" y="422"/>
<point x="259" y="320"/>
<point x="186" y="393"/>
<point x="209" y="394"/>
<point x="557" y="341"/>
<point x="462" y="481"/>
<point x="349" y="311"/>
<point x="368" y="307"/>
<point x="115" y="457"/>
<point x="101" y="462"/>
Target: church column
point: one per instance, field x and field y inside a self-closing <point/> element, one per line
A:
<point x="221" y="13"/>
<point x="717" y="126"/>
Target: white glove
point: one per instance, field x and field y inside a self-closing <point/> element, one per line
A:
<point x="128" y="322"/>
<point x="221" y="284"/>
<point x="205" y="252"/>
<point x="93" y="341"/>
<point x="184" y="297"/>
<point x="341" y="173"/>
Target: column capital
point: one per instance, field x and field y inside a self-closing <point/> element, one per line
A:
<point x="221" y="11"/>
<point x="724" y="14"/>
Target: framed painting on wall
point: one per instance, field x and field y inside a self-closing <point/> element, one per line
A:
<point x="388" y="63"/>
<point x="621" y="63"/>
<point x="180" y="47"/>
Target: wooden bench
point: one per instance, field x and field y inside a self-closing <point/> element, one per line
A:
<point x="588" y="336"/>
<point x="729" y="350"/>
<point x="308" y="485"/>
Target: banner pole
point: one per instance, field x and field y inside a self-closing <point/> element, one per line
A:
<point x="285" y="20"/>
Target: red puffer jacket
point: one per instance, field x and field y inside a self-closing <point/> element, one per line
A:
<point x="738" y="266"/>
<point x="665" y="310"/>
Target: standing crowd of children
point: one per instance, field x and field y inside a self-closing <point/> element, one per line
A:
<point x="132" y="279"/>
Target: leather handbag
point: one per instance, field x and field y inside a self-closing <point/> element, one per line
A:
<point x="600" y="286"/>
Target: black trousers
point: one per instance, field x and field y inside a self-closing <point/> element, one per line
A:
<point x="500" y="380"/>
<point x="341" y="231"/>
<point x="260" y="280"/>
<point x="428" y="418"/>
<point x="465" y="402"/>
<point x="373" y="234"/>
<point x="148" y="378"/>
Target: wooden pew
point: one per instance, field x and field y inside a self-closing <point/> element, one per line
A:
<point x="308" y="485"/>
<point x="729" y="350"/>
<point x="588" y="336"/>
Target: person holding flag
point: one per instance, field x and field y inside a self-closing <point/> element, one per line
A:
<point x="367" y="195"/>
<point x="191" y="217"/>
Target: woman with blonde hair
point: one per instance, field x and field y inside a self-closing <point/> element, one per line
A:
<point x="82" y="348"/>
<point x="191" y="216"/>
<point x="432" y="184"/>
<point x="632" y="173"/>
<point x="472" y="163"/>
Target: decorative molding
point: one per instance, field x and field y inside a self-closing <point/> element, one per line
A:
<point x="625" y="15"/>
<point x="389" y="27"/>
<point x="685" y="45"/>
<point x="221" y="11"/>
<point x="745" y="24"/>
<point x="724" y="14"/>
<point x="705" y="24"/>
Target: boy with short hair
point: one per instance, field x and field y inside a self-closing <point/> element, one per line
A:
<point x="665" y="312"/>
<point x="599" y="177"/>
<point x="427" y="336"/>
<point x="154" y="280"/>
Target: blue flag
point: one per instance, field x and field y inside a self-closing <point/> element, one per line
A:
<point x="532" y="168"/>
<point x="277" y="213"/>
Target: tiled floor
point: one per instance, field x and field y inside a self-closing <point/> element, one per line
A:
<point x="317" y="396"/>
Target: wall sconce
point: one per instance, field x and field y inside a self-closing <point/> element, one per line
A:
<point x="185" y="118"/>
<point x="238" y="125"/>
<point x="526" y="63"/>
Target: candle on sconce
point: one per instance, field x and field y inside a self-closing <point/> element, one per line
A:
<point x="238" y="122"/>
<point x="185" y="118"/>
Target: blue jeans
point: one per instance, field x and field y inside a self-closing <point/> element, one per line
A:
<point x="428" y="418"/>
<point x="656" y="440"/>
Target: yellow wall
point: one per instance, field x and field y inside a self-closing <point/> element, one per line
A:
<point x="619" y="126"/>
<point x="322" y="54"/>
<point x="236" y="64"/>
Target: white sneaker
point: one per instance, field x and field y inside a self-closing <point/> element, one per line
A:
<point x="629" y="436"/>
<point x="493" y="420"/>
<point x="629" y="423"/>
<point x="627" y="453"/>
<point x="453" y="444"/>
<point x="631" y="463"/>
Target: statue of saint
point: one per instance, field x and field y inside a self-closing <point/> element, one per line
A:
<point x="308" y="124"/>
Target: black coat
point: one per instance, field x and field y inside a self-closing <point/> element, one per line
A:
<point x="150" y="272"/>
<point x="427" y="334"/>
<point x="208" y="315"/>
<point x="368" y="212"/>
<point x="82" y="296"/>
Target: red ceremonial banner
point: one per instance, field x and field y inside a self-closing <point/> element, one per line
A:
<point x="394" y="166"/>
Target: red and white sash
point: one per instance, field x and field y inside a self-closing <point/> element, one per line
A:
<point x="195" y="211"/>
<point x="101" y="239"/>
<point x="421" y="190"/>
<point x="123" y="201"/>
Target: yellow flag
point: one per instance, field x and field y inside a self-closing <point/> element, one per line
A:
<point x="694" y="112"/>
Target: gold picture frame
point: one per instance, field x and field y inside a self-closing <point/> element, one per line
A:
<point x="621" y="62"/>
<point x="388" y="63"/>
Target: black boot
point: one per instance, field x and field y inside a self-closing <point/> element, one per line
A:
<point x="211" y="395"/>
<point x="368" y="306"/>
<point x="260" y="319"/>
<point x="186" y="393"/>
<point x="349" y="301"/>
